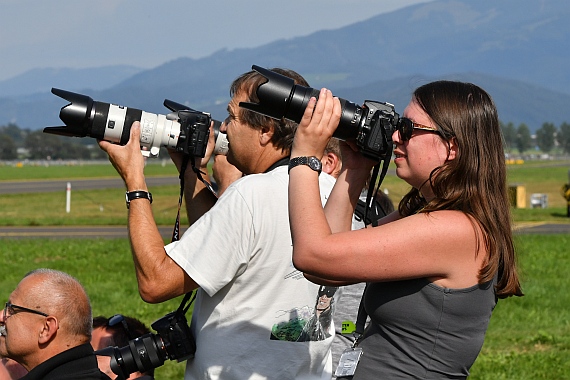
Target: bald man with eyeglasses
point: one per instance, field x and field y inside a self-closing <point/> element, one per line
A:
<point x="46" y="327"/>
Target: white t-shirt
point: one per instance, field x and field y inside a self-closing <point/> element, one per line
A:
<point x="252" y="304"/>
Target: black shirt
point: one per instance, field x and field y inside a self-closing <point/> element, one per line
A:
<point x="76" y="363"/>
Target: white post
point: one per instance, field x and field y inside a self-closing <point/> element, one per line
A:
<point x="68" y="200"/>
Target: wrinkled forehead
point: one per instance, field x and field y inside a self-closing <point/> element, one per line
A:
<point x="239" y="96"/>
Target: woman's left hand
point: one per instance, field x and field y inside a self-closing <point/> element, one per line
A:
<point x="318" y="124"/>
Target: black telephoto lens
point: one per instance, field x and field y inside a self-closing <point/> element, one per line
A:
<point x="281" y="97"/>
<point x="142" y="354"/>
<point x="85" y="117"/>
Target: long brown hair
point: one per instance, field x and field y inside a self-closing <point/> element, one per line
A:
<point x="475" y="181"/>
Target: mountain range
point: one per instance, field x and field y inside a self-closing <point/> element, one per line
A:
<point x="518" y="50"/>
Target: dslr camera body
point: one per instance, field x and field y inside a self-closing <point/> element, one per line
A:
<point x="370" y="125"/>
<point x="184" y="130"/>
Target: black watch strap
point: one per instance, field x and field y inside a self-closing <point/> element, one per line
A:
<point x="312" y="162"/>
<point x="132" y="195"/>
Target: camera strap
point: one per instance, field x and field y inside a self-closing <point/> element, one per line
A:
<point x="374" y="187"/>
<point x="190" y="296"/>
<point x="183" y="308"/>
<point x="187" y="158"/>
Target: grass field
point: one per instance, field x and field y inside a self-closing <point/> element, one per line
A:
<point x="528" y="337"/>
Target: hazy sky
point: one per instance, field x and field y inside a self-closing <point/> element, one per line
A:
<point x="147" y="33"/>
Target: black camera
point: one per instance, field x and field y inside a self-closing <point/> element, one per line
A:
<point x="370" y="125"/>
<point x="184" y="130"/>
<point x="173" y="341"/>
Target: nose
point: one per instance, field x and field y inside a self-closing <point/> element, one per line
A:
<point x="2" y="316"/>
<point x="224" y="125"/>
<point x="396" y="138"/>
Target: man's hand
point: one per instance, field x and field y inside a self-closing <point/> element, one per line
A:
<point x="127" y="159"/>
<point x="224" y="173"/>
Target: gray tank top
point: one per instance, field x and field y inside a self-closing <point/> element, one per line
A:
<point x="422" y="331"/>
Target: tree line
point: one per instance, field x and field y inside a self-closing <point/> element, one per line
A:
<point x="17" y="143"/>
<point x="546" y="139"/>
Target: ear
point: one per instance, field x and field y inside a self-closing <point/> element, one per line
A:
<point x="452" y="149"/>
<point x="48" y="329"/>
<point x="331" y="163"/>
<point x="265" y="135"/>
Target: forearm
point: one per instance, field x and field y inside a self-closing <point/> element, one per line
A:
<point x="197" y="197"/>
<point x="340" y="205"/>
<point x="305" y="209"/>
<point x="324" y="281"/>
<point x="159" y="277"/>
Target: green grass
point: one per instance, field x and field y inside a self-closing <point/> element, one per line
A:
<point x="529" y="337"/>
<point x="80" y="169"/>
<point x="88" y="207"/>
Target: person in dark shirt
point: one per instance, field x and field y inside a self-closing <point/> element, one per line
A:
<point x="46" y="327"/>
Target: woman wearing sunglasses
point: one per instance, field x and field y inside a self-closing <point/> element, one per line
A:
<point x="436" y="266"/>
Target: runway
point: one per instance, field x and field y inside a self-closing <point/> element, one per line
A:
<point x="74" y="232"/>
<point x="47" y="186"/>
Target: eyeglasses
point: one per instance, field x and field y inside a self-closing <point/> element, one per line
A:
<point x="11" y="309"/>
<point x="119" y="318"/>
<point x="406" y="128"/>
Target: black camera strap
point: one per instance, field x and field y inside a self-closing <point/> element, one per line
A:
<point x="374" y="186"/>
<point x="187" y="158"/>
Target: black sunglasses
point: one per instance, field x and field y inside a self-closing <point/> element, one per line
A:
<point x="11" y="309"/>
<point x="406" y="128"/>
<point x="120" y="319"/>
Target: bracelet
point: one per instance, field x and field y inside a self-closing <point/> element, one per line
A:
<point x="132" y="195"/>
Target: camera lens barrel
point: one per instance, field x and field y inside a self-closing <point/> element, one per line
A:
<point x="185" y="130"/>
<point x="280" y="97"/>
<point x="142" y="354"/>
<point x="369" y="125"/>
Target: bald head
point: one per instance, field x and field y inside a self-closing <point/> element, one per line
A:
<point x="50" y="313"/>
<point x="61" y="295"/>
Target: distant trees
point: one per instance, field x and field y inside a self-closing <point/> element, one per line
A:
<point x="545" y="137"/>
<point x="563" y="137"/>
<point x="524" y="139"/>
<point x="509" y="136"/>
<point x="41" y="146"/>
<point x="8" y="149"/>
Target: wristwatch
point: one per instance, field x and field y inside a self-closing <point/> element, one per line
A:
<point x="312" y="162"/>
<point x="132" y="195"/>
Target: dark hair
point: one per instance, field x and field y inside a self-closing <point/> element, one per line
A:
<point x="119" y="335"/>
<point x="283" y="130"/>
<point x="475" y="181"/>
